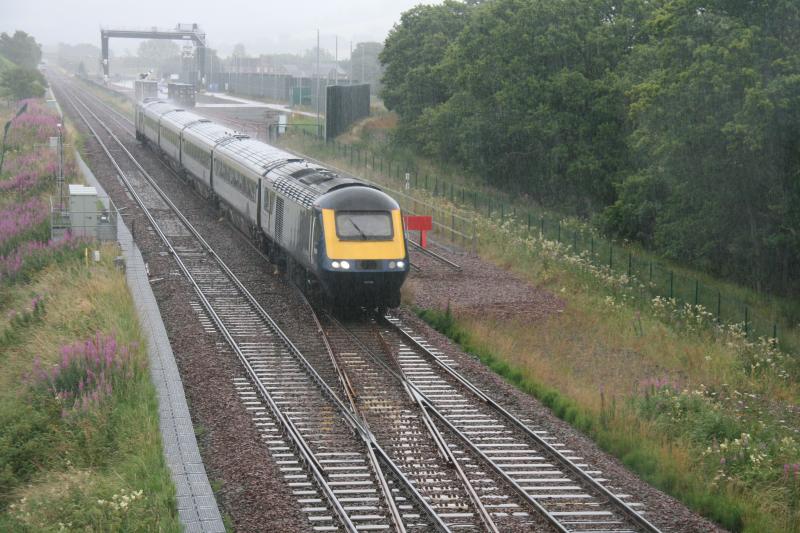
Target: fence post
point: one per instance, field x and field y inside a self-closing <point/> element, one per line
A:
<point x="474" y="234"/>
<point x="775" y="331"/>
<point x="541" y="231"/>
<point x="696" y="292"/>
<point x="575" y="240"/>
<point x="529" y="222"/>
<point x="671" y="282"/>
<point x="559" y="231"/>
<point x="630" y="263"/>
<point x="651" y="271"/>
<point x="502" y="211"/>
<point x="610" y="255"/>
<point x="746" y="320"/>
<point x="591" y="244"/>
<point x="719" y="306"/>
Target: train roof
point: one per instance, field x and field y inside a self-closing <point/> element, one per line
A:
<point x="357" y="199"/>
<point x="182" y="118"/>
<point x="159" y="107"/>
<point x="211" y="132"/>
<point x="300" y="180"/>
<point x="254" y="155"/>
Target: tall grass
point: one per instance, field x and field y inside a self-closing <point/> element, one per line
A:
<point x="79" y="437"/>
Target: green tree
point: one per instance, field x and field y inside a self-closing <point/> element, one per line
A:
<point x="21" y="48"/>
<point x="715" y="139"/>
<point x="413" y="78"/>
<point x="537" y="105"/>
<point x="19" y="82"/>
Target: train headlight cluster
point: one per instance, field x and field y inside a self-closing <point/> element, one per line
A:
<point x="396" y="264"/>
<point x="344" y="265"/>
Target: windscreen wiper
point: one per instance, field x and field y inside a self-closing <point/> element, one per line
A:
<point x="363" y="235"/>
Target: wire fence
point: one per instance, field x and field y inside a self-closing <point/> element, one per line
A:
<point x="454" y="225"/>
<point x="458" y="225"/>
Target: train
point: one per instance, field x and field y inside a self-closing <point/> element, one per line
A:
<point x="338" y="237"/>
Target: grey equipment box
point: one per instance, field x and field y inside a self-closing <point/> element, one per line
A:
<point x="83" y="210"/>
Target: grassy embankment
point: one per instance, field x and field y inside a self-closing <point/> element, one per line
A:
<point x="79" y="440"/>
<point x="695" y="408"/>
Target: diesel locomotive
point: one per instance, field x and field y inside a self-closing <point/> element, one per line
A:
<point x="340" y="235"/>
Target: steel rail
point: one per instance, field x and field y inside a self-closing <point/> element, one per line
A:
<point x="441" y="445"/>
<point x="436" y="256"/>
<point x="291" y="429"/>
<point x="346" y="414"/>
<point x="554" y="453"/>
<point x="347" y="386"/>
<point x="430" y="407"/>
<point x="297" y="438"/>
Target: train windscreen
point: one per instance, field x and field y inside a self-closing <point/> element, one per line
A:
<point x="364" y="225"/>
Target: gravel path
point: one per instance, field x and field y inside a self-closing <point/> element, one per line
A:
<point x="481" y="288"/>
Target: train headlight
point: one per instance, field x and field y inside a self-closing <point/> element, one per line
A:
<point x="400" y="264"/>
<point x="345" y="264"/>
<point x="392" y="264"/>
<point x="335" y="264"/>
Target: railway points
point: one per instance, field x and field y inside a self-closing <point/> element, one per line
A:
<point x="455" y="476"/>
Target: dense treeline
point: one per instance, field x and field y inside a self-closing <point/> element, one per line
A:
<point x="675" y="123"/>
<point x="20" y="79"/>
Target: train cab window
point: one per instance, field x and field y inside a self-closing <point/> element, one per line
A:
<point x="364" y="225"/>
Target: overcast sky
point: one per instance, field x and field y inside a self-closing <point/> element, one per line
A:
<point x="263" y="26"/>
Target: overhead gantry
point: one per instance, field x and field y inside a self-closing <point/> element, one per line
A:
<point x="181" y="32"/>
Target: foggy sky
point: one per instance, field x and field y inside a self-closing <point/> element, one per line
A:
<point x="263" y="26"/>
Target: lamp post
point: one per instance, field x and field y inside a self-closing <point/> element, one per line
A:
<point x="60" y="167"/>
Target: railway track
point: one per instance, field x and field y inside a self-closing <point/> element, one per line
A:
<point x="340" y="476"/>
<point x="414" y="446"/>
<point x="453" y="478"/>
<point x="544" y="474"/>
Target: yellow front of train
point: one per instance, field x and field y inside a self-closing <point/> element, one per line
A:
<point x="363" y="258"/>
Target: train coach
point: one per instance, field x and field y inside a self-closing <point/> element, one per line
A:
<point x="339" y="235"/>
